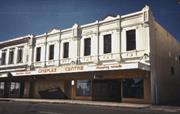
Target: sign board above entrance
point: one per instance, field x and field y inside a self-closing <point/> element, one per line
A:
<point x="76" y="68"/>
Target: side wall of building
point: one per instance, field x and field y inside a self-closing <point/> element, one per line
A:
<point x="165" y="65"/>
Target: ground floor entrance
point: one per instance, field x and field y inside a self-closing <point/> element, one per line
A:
<point x="130" y="86"/>
<point x="116" y="90"/>
<point x="107" y="90"/>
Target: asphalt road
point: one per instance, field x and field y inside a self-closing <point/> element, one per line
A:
<point x="46" y="108"/>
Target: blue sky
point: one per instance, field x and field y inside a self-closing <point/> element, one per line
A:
<point x="22" y="17"/>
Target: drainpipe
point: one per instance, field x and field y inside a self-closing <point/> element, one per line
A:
<point x="45" y="50"/>
<point x="98" y="42"/>
<point x="32" y="45"/>
<point x="120" y="29"/>
<point x="59" y="58"/>
<point x="78" y="46"/>
<point x="120" y="57"/>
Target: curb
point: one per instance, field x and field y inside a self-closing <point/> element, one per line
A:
<point x="92" y="103"/>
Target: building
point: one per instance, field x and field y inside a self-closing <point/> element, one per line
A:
<point x="128" y="58"/>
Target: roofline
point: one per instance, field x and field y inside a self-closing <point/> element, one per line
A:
<point x="15" y="39"/>
<point x="81" y="26"/>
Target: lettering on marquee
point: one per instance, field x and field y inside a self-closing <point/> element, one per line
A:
<point x="65" y="69"/>
<point x="47" y="70"/>
<point x="60" y="69"/>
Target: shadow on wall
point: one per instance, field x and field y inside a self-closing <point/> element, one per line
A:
<point x="53" y="93"/>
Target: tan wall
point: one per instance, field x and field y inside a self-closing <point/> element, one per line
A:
<point x="165" y="51"/>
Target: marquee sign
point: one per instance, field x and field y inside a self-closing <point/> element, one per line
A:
<point x="50" y="70"/>
<point x="75" y="68"/>
<point x="60" y="69"/>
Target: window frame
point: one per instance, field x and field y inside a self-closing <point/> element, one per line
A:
<point x="38" y="54"/>
<point x="128" y="90"/>
<point x="2" y="87"/>
<point x="3" y="57"/>
<point x="66" y="50"/>
<point x="107" y="43"/>
<point x="51" y="52"/>
<point x="11" y="56"/>
<point x="20" y="55"/>
<point x="81" y="82"/>
<point x="131" y="40"/>
<point x="87" y="46"/>
<point x="14" y="89"/>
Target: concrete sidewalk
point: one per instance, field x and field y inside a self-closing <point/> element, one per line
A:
<point x="95" y="103"/>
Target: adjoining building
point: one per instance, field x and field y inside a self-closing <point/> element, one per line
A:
<point x="128" y="58"/>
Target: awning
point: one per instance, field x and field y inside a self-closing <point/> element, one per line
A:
<point x="83" y="68"/>
<point x="3" y="75"/>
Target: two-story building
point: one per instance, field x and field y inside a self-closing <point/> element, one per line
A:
<point x="14" y="57"/>
<point x="128" y="58"/>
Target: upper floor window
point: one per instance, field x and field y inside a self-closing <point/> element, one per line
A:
<point x="131" y="40"/>
<point x="11" y="56"/>
<point x="38" y="53"/>
<point x="3" y="57"/>
<point x="87" y="46"/>
<point x="20" y="55"/>
<point x="107" y="43"/>
<point x="51" y="52"/>
<point x="66" y="50"/>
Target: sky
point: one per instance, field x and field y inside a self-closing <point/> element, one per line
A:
<point x="23" y="17"/>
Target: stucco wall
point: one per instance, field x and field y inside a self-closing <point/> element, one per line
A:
<point x="165" y="52"/>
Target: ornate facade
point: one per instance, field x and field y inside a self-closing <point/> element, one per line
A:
<point x="125" y="58"/>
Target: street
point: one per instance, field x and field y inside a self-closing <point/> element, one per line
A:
<point x="7" y="107"/>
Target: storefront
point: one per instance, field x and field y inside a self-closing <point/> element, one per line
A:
<point x="97" y="83"/>
<point x="114" y="88"/>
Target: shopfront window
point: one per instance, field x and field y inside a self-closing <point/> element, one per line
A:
<point x="133" y="88"/>
<point x="15" y="89"/>
<point x="1" y="88"/>
<point x="83" y="88"/>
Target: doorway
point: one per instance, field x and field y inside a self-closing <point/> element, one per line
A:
<point x="107" y="90"/>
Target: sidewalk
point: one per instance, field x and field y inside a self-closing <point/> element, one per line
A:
<point x="95" y="103"/>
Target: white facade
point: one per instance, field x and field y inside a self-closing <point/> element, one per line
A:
<point x="115" y="26"/>
<point x="14" y="45"/>
<point x="141" y="57"/>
